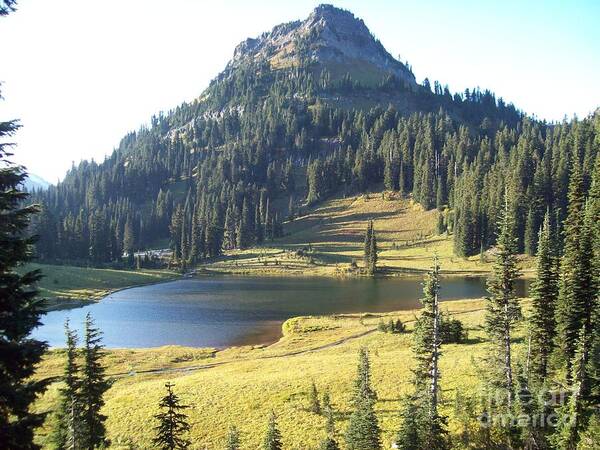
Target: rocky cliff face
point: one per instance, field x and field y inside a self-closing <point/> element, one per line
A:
<point x="330" y="38"/>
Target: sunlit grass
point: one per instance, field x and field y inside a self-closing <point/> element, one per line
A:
<point x="333" y="231"/>
<point x="69" y="283"/>
<point x="243" y="384"/>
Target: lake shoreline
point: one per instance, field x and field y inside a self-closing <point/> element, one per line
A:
<point x="219" y="311"/>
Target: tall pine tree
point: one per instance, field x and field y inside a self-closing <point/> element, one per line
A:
<point x="93" y="386"/>
<point x="20" y="311"/>
<point x="67" y="429"/>
<point x="576" y="292"/>
<point x="503" y="311"/>
<point x="544" y="294"/>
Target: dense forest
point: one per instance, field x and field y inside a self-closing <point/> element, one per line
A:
<point x="226" y="170"/>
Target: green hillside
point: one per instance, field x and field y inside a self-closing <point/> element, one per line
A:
<point x="329" y="237"/>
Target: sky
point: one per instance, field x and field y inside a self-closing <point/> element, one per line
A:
<point x="80" y="74"/>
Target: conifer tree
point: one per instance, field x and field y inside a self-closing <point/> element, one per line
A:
<point x="233" y="439"/>
<point x="440" y="226"/>
<point x="93" y="386"/>
<point x="573" y="414"/>
<point x="315" y="405"/>
<point x="425" y="422"/>
<point x="273" y="436"/>
<point x="67" y="430"/>
<point x="19" y="310"/>
<point x="409" y="436"/>
<point x="503" y="311"/>
<point x="367" y="245"/>
<point x="576" y="292"/>
<point x="326" y="403"/>
<point x="129" y="241"/>
<point x="544" y="293"/>
<point x="593" y="218"/>
<point x="373" y="252"/>
<point x="173" y="422"/>
<point x="329" y="443"/>
<point x="363" y="430"/>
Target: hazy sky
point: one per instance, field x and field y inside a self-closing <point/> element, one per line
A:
<point x="81" y="73"/>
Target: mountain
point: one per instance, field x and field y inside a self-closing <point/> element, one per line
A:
<point x="35" y="182"/>
<point x="310" y="110"/>
<point x="330" y="39"/>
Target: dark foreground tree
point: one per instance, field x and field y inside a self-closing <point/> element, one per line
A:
<point x="19" y="309"/>
<point x="273" y="436"/>
<point x="7" y="6"/>
<point x="93" y="386"/>
<point x="173" y="422"/>
<point x="67" y="429"/>
<point x="423" y="427"/>
<point x="363" y="430"/>
<point x="574" y="414"/>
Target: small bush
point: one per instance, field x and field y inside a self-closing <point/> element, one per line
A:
<point x="392" y="326"/>
<point x="452" y="330"/>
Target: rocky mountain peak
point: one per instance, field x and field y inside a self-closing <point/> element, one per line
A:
<point x="330" y="38"/>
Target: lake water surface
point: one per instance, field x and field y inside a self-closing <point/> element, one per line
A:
<point x="226" y="311"/>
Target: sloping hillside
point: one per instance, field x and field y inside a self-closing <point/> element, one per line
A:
<point x="328" y="238"/>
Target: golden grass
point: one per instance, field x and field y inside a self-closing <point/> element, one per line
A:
<point x="242" y="385"/>
<point x="334" y="232"/>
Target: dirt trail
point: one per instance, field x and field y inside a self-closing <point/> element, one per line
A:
<point x="232" y="361"/>
<point x="258" y="358"/>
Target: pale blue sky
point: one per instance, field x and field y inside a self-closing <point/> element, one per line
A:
<point x="81" y="73"/>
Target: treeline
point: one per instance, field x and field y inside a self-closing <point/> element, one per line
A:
<point x="259" y="135"/>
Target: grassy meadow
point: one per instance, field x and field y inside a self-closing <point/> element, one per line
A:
<point x="64" y="286"/>
<point x="333" y="231"/>
<point x="242" y="385"/>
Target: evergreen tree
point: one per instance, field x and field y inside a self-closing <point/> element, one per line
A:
<point x="329" y="443"/>
<point x="173" y="422"/>
<point x="577" y="293"/>
<point x="233" y="439"/>
<point x="129" y="240"/>
<point x="409" y="436"/>
<point x="19" y="310"/>
<point x="67" y="430"/>
<point x="574" y="413"/>
<point x="426" y="422"/>
<point x="273" y="436"/>
<point x="441" y="226"/>
<point x="367" y="245"/>
<point x="372" y="252"/>
<point x="502" y="314"/>
<point x="544" y="293"/>
<point x="93" y="387"/>
<point x="315" y="405"/>
<point x="363" y="430"/>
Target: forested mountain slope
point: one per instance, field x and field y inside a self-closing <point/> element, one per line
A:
<point x="311" y="109"/>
